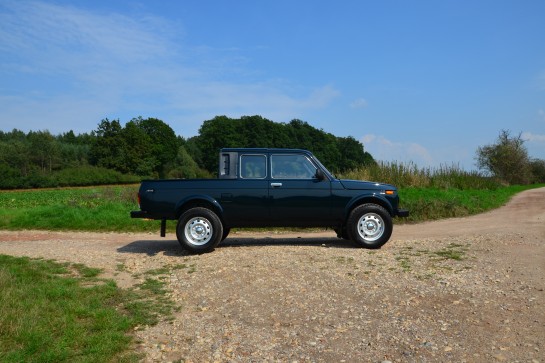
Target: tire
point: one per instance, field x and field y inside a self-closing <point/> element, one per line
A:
<point x="199" y="230"/>
<point x="369" y="226"/>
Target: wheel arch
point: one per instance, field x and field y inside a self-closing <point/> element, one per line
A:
<point x="203" y="201"/>
<point x="368" y="199"/>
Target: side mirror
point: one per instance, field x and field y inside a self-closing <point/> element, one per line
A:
<point x="320" y="174"/>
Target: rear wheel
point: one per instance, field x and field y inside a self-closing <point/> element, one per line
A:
<point x="199" y="230"/>
<point x="369" y="226"/>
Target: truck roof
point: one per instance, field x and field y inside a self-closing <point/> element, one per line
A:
<point x="264" y="150"/>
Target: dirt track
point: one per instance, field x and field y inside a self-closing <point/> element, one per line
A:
<point x="469" y="289"/>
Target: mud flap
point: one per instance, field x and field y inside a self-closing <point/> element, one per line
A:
<point x="163" y="227"/>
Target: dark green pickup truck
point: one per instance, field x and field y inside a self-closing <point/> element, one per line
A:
<point x="270" y="188"/>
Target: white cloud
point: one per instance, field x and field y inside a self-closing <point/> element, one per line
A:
<point x="533" y="137"/>
<point x="61" y="39"/>
<point x="81" y="66"/>
<point x="384" y="149"/>
<point x="359" y="103"/>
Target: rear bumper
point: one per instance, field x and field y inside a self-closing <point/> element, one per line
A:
<point x="140" y="214"/>
<point x="145" y="215"/>
<point x="402" y="213"/>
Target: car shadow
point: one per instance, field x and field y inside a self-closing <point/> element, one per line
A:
<point x="154" y="247"/>
<point x="299" y="241"/>
<point x="173" y="248"/>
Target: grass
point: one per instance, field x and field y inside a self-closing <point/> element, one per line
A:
<point x="434" y="261"/>
<point x="452" y="252"/>
<point x="76" y="209"/>
<point x="435" y="193"/>
<point x="106" y="209"/>
<point x="59" y="312"/>
<point x="432" y="203"/>
<point x="405" y="175"/>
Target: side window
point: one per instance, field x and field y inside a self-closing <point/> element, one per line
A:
<point x="253" y="166"/>
<point x="292" y="167"/>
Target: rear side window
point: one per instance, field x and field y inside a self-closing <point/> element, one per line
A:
<point x="253" y="166"/>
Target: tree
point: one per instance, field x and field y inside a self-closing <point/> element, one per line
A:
<point x="185" y="166"/>
<point x="143" y="147"/>
<point x="215" y="134"/>
<point x="16" y="153"/>
<point x="136" y="154"/>
<point x="106" y="151"/>
<point x="73" y="155"/>
<point x="163" y="143"/>
<point x="507" y="159"/>
<point x="337" y="154"/>
<point x="45" y="150"/>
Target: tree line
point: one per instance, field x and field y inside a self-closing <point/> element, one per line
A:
<point x="149" y="148"/>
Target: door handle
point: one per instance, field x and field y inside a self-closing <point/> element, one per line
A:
<point x="276" y="185"/>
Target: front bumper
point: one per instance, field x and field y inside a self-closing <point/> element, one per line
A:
<point x="402" y="213"/>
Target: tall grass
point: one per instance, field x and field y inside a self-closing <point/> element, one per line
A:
<point x="443" y="192"/>
<point x="404" y="175"/>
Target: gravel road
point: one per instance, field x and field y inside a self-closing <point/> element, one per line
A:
<point x="462" y="290"/>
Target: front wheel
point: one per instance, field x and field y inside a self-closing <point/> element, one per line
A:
<point x="369" y="226"/>
<point x="199" y="230"/>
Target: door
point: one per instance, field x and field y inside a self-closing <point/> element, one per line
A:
<point x="245" y="200"/>
<point x="298" y="198"/>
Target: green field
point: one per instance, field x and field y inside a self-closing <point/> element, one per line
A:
<point x="107" y="208"/>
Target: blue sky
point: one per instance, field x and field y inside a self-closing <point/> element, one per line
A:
<point x="421" y="81"/>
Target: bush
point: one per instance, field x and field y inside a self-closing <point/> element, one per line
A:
<point x="77" y="176"/>
<point x="11" y="178"/>
<point x="92" y="175"/>
<point x="537" y="166"/>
